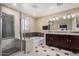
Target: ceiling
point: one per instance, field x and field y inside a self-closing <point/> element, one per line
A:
<point x="42" y="9"/>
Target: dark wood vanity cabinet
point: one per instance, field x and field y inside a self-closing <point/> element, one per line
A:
<point x="70" y="42"/>
<point x="74" y="43"/>
<point x="63" y="41"/>
<point x="49" y="40"/>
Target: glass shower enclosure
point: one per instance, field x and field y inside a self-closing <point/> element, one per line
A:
<point x="9" y="44"/>
<point x="8" y="35"/>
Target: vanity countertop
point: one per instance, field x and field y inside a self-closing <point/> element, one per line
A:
<point x="63" y="33"/>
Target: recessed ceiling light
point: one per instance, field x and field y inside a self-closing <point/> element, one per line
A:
<point x="14" y="4"/>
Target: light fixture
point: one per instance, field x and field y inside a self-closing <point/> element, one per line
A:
<point x="56" y="18"/>
<point x="73" y="15"/>
<point x="51" y="19"/>
<point x="64" y="17"/>
<point x="14" y="4"/>
<point x="68" y="16"/>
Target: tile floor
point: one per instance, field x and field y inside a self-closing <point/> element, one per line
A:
<point x="44" y="50"/>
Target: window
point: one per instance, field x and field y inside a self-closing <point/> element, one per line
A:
<point x="25" y="24"/>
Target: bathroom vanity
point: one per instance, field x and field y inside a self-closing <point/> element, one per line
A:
<point x="69" y="41"/>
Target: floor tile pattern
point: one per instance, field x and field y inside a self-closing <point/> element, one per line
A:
<point x="45" y="50"/>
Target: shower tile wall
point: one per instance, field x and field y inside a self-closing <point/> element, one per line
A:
<point x="7" y="31"/>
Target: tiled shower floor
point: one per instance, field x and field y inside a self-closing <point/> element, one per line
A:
<point x="44" y="50"/>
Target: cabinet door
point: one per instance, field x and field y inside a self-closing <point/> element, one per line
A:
<point x="60" y="41"/>
<point x="74" y="43"/>
<point x="49" y="39"/>
<point x="63" y="41"/>
<point x="56" y="40"/>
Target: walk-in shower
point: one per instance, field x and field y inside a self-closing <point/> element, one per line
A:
<point x="9" y="43"/>
<point x="8" y="35"/>
<point x="13" y="27"/>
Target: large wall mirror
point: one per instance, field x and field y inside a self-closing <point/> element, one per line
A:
<point x="61" y="24"/>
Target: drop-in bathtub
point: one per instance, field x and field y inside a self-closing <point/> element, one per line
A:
<point x="37" y="41"/>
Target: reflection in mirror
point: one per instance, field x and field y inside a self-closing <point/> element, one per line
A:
<point x="77" y="22"/>
<point x="61" y="24"/>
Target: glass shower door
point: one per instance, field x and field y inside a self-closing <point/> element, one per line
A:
<point x="8" y="35"/>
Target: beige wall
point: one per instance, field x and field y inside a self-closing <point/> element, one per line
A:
<point x="41" y="22"/>
<point x="32" y="24"/>
<point x="44" y="20"/>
